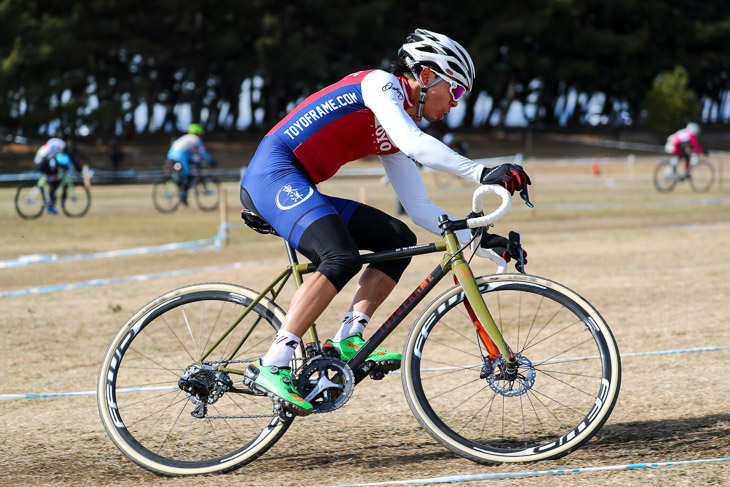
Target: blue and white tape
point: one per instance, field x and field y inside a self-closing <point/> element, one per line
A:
<point x="507" y="475"/>
<point x="46" y="395"/>
<point x="119" y="280"/>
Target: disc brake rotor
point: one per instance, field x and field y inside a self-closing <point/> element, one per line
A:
<point x="509" y="380"/>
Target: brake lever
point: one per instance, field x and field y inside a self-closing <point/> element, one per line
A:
<point x="526" y="197"/>
<point x="516" y="238"/>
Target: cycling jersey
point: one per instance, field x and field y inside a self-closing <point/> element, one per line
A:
<point x="184" y="148"/>
<point x="49" y="150"/>
<point x="362" y="114"/>
<point x="679" y="140"/>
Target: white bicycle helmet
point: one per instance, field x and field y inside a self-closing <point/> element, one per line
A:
<point x="440" y="53"/>
<point x="693" y="128"/>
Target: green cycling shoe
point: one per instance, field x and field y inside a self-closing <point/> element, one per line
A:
<point x="387" y="361"/>
<point x="277" y="383"/>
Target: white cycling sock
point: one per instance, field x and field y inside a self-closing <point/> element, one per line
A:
<point x="282" y="350"/>
<point x="354" y="323"/>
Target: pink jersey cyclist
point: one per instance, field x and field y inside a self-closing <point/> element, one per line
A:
<point x="683" y="142"/>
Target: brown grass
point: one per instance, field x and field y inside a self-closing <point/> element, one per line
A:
<point x="654" y="265"/>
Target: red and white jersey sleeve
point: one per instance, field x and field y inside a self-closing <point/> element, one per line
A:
<point x="361" y="115"/>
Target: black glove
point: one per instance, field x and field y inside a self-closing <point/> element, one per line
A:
<point x="503" y="247"/>
<point x="511" y="176"/>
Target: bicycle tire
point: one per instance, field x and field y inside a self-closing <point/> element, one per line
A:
<point x="29" y="200"/>
<point x="207" y="193"/>
<point x="702" y="176"/>
<point x="75" y="200"/>
<point x="572" y="352"/>
<point x="166" y="194"/>
<point x="146" y="414"/>
<point x="665" y="176"/>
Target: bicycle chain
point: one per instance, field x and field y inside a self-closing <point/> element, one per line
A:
<point x="247" y="416"/>
<point x="242" y="416"/>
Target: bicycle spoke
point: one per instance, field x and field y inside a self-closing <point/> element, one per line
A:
<point x="488" y="412"/>
<point x="170" y="430"/>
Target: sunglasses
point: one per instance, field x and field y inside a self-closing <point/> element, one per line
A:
<point x="457" y="91"/>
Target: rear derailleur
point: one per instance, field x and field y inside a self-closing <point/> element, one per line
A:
<point x="203" y="385"/>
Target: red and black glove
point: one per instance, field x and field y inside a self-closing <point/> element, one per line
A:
<point x="511" y="176"/>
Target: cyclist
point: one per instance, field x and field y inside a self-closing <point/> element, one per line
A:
<point x="683" y="143"/>
<point x="55" y="156"/>
<point x="366" y="113"/>
<point x="186" y="150"/>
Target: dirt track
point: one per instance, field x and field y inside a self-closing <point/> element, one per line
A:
<point x="654" y="265"/>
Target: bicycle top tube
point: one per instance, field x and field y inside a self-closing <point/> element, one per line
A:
<point x="448" y="225"/>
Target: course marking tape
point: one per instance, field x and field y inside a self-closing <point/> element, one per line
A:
<point x="8" y="397"/>
<point x="142" y="277"/>
<point x="506" y="475"/>
<point x="24" y="260"/>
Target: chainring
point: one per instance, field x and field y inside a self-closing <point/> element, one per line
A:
<point x="326" y="383"/>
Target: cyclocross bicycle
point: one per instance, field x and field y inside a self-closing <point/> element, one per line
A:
<point x="700" y="175"/>
<point x="32" y="197"/>
<point x="498" y="368"/>
<point x="166" y="190"/>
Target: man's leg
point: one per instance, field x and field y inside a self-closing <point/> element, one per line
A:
<point x="331" y="249"/>
<point x="372" y="289"/>
<point x="374" y="230"/>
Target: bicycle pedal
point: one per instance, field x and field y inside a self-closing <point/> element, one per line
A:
<point x="382" y="368"/>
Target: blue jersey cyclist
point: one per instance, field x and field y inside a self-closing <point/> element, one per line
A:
<point x="366" y="113"/>
<point x="186" y="150"/>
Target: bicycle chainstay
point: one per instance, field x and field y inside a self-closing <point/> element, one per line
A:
<point x="201" y="405"/>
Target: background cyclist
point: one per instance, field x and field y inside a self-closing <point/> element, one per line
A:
<point x="52" y="159"/>
<point x="683" y="143"/>
<point x="188" y="150"/>
<point x="366" y="113"/>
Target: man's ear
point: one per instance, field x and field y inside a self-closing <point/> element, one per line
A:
<point x="426" y="75"/>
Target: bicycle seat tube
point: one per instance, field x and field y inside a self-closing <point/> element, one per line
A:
<point x="466" y="279"/>
<point x="310" y="336"/>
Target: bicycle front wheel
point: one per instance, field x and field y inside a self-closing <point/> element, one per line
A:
<point x="75" y="200"/>
<point x="29" y="200"/>
<point x="158" y="425"/>
<point x="207" y="193"/>
<point x="566" y="386"/>
<point x="166" y="195"/>
<point x="665" y="176"/>
<point x="702" y="176"/>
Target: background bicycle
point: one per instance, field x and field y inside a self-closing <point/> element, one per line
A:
<point x="171" y="396"/>
<point x="32" y="197"/>
<point x="166" y="192"/>
<point x="701" y="174"/>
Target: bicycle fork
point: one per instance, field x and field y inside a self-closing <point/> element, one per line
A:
<point x="486" y="328"/>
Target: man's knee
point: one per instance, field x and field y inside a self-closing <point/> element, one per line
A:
<point x="398" y="236"/>
<point x="340" y="267"/>
<point x="336" y="256"/>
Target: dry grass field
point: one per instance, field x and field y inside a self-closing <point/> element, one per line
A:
<point x="655" y="265"/>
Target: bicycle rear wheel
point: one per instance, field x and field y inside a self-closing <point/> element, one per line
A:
<point x="702" y="176"/>
<point x="29" y="200"/>
<point x="75" y="200"/>
<point x="166" y="194"/>
<point x="207" y="193"/>
<point x="568" y="382"/>
<point x="166" y="430"/>
<point x="665" y="176"/>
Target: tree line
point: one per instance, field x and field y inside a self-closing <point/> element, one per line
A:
<point x="93" y="62"/>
